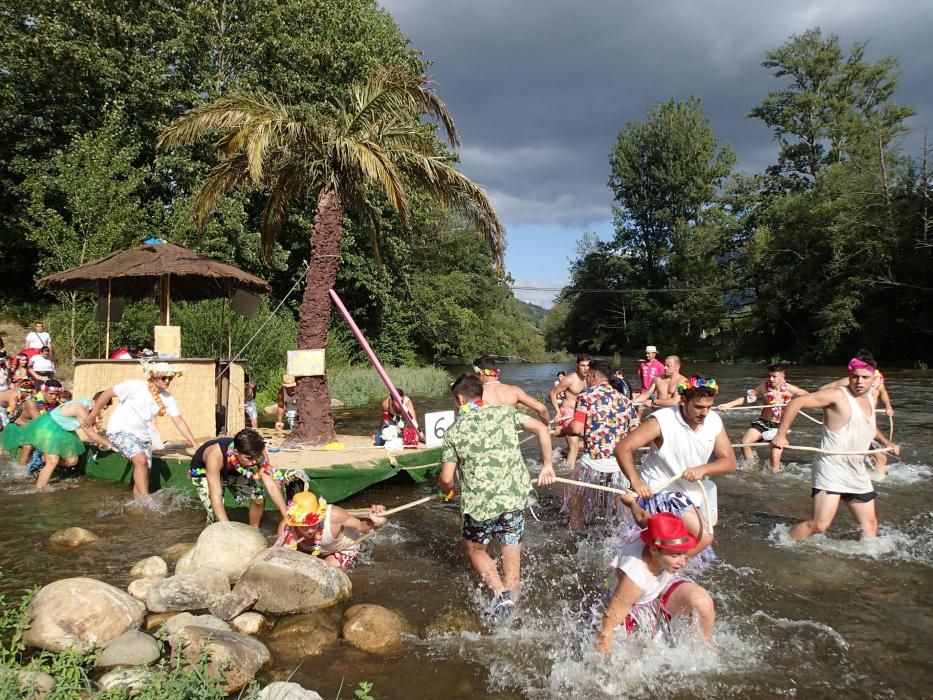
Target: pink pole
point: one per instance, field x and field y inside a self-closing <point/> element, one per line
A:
<point x="358" y="334"/>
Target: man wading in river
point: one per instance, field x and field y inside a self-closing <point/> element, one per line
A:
<point x="496" y="393"/>
<point x="494" y="483"/>
<point x="569" y="387"/>
<point x="848" y="426"/>
<point x="682" y="440"/>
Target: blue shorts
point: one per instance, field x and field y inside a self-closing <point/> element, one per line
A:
<point x="507" y="528"/>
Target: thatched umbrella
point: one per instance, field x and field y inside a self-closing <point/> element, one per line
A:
<point x="135" y="274"/>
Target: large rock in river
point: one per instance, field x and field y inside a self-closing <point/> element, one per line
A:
<point x="284" y="690"/>
<point x="375" y="629"/>
<point x="235" y="657"/>
<point x="151" y="567"/>
<point x="287" y="582"/>
<point x="172" y="627"/>
<point x="80" y="611"/>
<point x="73" y="537"/>
<point x="299" y="636"/>
<point x="131" y="648"/>
<point x="227" y="547"/>
<point x="195" y="589"/>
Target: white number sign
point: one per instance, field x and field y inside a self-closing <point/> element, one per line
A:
<point x="435" y="425"/>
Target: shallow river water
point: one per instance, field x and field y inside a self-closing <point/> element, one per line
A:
<point x="832" y="617"/>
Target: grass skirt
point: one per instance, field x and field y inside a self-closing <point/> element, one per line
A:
<point x="597" y="503"/>
<point x="13" y="439"/>
<point x="47" y="437"/>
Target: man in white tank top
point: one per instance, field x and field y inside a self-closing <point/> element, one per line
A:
<point x="848" y="426"/>
<point x="682" y="439"/>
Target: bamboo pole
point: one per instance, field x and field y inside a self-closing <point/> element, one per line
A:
<point x="107" y="336"/>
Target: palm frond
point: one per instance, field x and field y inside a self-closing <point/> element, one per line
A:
<point x="459" y="193"/>
<point x="369" y="158"/>
<point x="223" y="178"/>
<point x="288" y="187"/>
<point x="394" y="93"/>
<point x="225" y="114"/>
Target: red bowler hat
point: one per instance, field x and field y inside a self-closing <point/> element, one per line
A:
<point x="667" y="531"/>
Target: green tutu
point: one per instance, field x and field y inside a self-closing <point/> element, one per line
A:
<point x="47" y="437"/>
<point x="13" y="439"/>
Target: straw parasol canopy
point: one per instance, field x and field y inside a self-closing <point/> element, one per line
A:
<point x="136" y="273"/>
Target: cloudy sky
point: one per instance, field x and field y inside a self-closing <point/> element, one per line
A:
<point x="541" y="88"/>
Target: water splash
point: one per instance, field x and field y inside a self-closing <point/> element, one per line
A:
<point x="912" y="542"/>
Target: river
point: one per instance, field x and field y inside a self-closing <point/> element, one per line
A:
<point x="827" y="618"/>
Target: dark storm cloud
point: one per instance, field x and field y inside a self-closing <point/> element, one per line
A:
<point x="541" y="88"/>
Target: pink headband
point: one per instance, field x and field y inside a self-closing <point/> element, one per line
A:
<point x="856" y="363"/>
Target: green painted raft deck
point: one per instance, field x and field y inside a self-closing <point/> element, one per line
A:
<point x="335" y="482"/>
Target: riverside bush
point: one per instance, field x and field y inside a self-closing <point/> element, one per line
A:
<point x="361" y="386"/>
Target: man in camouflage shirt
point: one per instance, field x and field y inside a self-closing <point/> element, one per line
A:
<point x="494" y="483"/>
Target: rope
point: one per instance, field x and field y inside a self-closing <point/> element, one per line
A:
<point x="803" y="448"/>
<point x="365" y="511"/>
<point x="268" y="318"/>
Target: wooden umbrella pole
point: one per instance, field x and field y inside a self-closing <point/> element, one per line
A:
<point x="107" y="338"/>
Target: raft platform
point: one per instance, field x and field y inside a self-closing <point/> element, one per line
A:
<point x="335" y="474"/>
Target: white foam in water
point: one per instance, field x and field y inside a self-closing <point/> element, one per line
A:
<point x="163" y="502"/>
<point x="902" y="473"/>
<point x="891" y="543"/>
<point x="803" y="627"/>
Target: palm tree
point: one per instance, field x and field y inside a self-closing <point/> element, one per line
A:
<point x="337" y="152"/>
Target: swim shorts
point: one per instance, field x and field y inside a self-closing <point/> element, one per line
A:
<point x="767" y="428"/>
<point x="129" y="445"/>
<point x="867" y="497"/>
<point x="507" y="528"/>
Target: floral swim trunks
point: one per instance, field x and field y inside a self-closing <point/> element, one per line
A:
<point x="507" y="528"/>
<point x="244" y="493"/>
<point x="129" y="445"/>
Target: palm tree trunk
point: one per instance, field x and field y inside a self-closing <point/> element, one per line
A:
<point x="315" y="423"/>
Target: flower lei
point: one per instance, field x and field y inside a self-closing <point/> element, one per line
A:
<point x="39" y="398"/>
<point x="156" y="396"/>
<point x="471" y="407"/>
<point x="316" y="538"/>
<point x="778" y="395"/>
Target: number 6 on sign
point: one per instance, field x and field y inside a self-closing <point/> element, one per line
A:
<point x="435" y="425"/>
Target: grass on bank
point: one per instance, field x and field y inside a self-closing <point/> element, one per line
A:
<point x="356" y="386"/>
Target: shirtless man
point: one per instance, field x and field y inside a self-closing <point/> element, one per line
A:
<point x="664" y="387"/>
<point x="776" y="392"/>
<point x="848" y="426"/>
<point x="495" y="393"/>
<point x="570" y="386"/>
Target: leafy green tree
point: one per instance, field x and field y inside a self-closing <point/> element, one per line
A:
<point x="664" y="171"/>
<point x="835" y="105"/>
<point x="334" y="155"/>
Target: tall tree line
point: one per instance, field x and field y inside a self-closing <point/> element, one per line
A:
<point x="825" y="251"/>
<point x="87" y="87"/>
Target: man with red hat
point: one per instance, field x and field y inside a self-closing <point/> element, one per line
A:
<point x="649" y="590"/>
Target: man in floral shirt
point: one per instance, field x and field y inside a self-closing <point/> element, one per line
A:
<point x="494" y="484"/>
<point x="603" y="417"/>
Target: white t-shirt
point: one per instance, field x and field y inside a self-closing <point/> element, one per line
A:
<point x="41" y="364"/>
<point x="38" y="340"/>
<point x="628" y="560"/>
<point x="137" y="408"/>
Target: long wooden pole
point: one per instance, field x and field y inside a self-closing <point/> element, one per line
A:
<point x="107" y="335"/>
<point x="358" y="334"/>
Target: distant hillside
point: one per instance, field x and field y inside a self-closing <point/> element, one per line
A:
<point x="532" y="312"/>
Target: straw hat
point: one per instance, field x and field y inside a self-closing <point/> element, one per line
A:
<point x="305" y="510"/>
<point x="651" y="348"/>
<point x="666" y="531"/>
<point x="288" y="381"/>
<point x="163" y="369"/>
